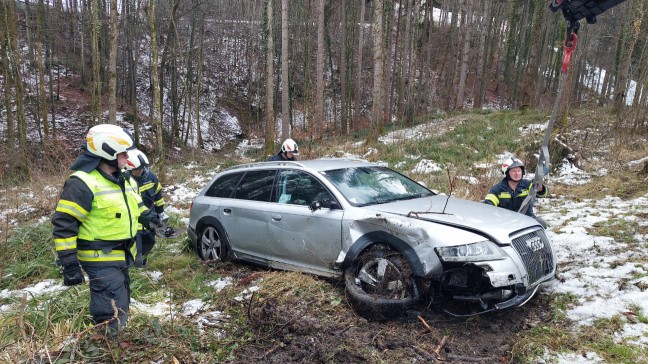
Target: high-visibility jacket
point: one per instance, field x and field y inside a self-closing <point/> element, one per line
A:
<point x="503" y="196"/>
<point x="96" y="218"/>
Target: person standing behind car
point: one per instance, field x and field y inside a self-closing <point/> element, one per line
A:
<point x="151" y="191"/>
<point x="289" y="152"/>
<point x="512" y="190"/>
<point x="95" y="223"/>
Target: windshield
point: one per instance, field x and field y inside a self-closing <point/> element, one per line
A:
<point x="363" y="186"/>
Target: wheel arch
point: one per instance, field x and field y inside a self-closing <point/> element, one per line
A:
<point x="208" y="220"/>
<point x="377" y="237"/>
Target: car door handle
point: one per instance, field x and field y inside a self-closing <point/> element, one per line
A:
<point x="276" y="217"/>
<point x="227" y="211"/>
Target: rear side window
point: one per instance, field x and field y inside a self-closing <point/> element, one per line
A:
<point x="224" y="186"/>
<point x="256" y="186"/>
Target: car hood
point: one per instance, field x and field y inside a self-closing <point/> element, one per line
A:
<point x="476" y="217"/>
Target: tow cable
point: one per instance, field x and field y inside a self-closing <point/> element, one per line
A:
<point x="542" y="169"/>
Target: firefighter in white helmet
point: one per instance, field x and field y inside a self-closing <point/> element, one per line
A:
<point x="512" y="190"/>
<point x="95" y="223"/>
<point x="289" y="151"/>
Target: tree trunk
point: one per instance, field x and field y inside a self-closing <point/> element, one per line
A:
<point x="22" y="166"/>
<point x="96" y="65"/>
<point x="199" y="73"/>
<point x="285" y="86"/>
<point x="378" y="64"/>
<point x="480" y="73"/>
<point x="319" y="104"/>
<point x="112" y="65"/>
<point x="633" y="27"/>
<point x="270" y="114"/>
<point x="465" y="53"/>
<point x="8" y="79"/>
<point x="358" y="82"/>
<point x="157" y="106"/>
<point x="412" y="66"/>
<point x="344" y="110"/>
<point x="42" y="96"/>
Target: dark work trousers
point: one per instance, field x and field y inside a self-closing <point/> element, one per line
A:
<point x="148" y="241"/>
<point x="109" y="282"/>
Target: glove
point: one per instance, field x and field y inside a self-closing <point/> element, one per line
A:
<point x="72" y="274"/>
<point x="154" y="222"/>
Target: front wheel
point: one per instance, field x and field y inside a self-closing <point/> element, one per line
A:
<point x="212" y="244"/>
<point x="380" y="284"/>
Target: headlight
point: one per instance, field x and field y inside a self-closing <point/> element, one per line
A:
<point x="476" y="252"/>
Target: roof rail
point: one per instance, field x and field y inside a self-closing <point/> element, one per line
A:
<point x="266" y="163"/>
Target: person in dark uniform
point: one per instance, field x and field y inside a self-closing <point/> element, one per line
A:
<point x="512" y="190"/>
<point x="151" y="191"/>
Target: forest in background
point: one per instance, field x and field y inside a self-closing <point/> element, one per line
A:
<point x="311" y="68"/>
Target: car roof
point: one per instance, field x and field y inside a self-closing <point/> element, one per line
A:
<point x="322" y="164"/>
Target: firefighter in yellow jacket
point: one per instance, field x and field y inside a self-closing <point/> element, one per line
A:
<point x="95" y="224"/>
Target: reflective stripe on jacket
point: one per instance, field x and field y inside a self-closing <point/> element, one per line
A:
<point x="114" y="212"/>
<point x="503" y="196"/>
<point x="97" y="217"/>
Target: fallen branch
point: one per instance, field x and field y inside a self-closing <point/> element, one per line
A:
<point x="440" y="346"/>
<point x="425" y="324"/>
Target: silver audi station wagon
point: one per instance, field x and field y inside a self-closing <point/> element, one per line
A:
<point x="395" y="243"/>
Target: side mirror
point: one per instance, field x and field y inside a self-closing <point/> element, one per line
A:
<point x="315" y="205"/>
<point x="329" y="204"/>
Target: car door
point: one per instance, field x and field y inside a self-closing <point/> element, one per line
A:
<point x="299" y="236"/>
<point x="245" y="217"/>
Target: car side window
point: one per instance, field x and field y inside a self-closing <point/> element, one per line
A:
<point x="256" y="186"/>
<point x="300" y="188"/>
<point x="224" y="186"/>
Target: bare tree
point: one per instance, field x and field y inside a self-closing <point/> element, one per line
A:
<point x="378" y="64"/>
<point x="358" y="81"/>
<point x="15" y="64"/>
<point x="96" y="65"/>
<point x="633" y="27"/>
<point x="5" y="63"/>
<point x="42" y="96"/>
<point x="270" y="115"/>
<point x="112" y="65"/>
<point x="466" y="24"/>
<point x="319" y="72"/>
<point x="156" y="90"/>
<point x="285" y="86"/>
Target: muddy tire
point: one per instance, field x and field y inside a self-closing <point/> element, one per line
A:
<point x="212" y="244"/>
<point x="380" y="285"/>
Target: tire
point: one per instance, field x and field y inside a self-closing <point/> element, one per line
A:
<point x="212" y="244"/>
<point x="380" y="284"/>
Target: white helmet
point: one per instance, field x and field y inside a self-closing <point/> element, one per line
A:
<point x="108" y="140"/>
<point x="511" y="163"/>
<point x="136" y="159"/>
<point x="290" y="146"/>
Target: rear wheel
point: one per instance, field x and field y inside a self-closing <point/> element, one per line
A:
<point x="380" y="284"/>
<point x="212" y="244"/>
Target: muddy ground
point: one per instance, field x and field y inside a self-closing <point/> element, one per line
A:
<point x="308" y="330"/>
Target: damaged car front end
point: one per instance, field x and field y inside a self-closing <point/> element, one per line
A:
<point x="483" y="277"/>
